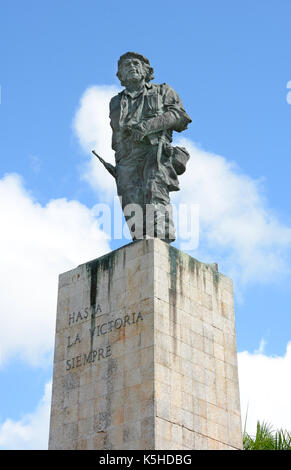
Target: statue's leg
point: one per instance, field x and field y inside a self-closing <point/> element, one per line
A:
<point x="159" y="212"/>
<point x="130" y="189"/>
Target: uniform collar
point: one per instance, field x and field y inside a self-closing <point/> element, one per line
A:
<point x="126" y="92"/>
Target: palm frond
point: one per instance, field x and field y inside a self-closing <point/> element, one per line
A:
<point x="267" y="438"/>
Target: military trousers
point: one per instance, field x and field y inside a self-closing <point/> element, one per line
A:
<point x="142" y="180"/>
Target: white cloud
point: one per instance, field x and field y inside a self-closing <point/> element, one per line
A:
<point x="31" y="432"/>
<point x="36" y="244"/>
<point x="92" y="127"/>
<point x="236" y="224"/>
<point x="265" y="389"/>
<point x="261" y="347"/>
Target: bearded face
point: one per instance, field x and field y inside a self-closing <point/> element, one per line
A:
<point x="131" y="71"/>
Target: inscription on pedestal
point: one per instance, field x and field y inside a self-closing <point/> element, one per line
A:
<point x="101" y="329"/>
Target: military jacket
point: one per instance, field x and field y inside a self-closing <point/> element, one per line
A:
<point x="153" y="100"/>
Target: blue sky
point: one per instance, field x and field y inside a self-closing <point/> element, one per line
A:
<point x="230" y="63"/>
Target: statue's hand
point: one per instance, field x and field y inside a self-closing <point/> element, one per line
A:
<point x="137" y="135"/>
<point x="136" y="132"/>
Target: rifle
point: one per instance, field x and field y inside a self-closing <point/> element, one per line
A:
<point x="108" y="166"/>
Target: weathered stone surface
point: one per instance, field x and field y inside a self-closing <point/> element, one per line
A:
<point x="145" y="354"/>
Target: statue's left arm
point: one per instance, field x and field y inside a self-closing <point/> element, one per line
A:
<point x="172" y="115"/>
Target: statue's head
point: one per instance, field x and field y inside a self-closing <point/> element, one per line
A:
<point x="134" y="66"/>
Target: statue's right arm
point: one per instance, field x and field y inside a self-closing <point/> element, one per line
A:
<point x="114" y="111"/>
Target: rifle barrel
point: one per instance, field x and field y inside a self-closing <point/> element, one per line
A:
<point x="110" y="168"/>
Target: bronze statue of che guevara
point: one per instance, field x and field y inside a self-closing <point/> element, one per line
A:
<point x="143" y="117"/>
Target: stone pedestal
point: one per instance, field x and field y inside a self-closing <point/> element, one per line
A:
<point x="145" y="354"/>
